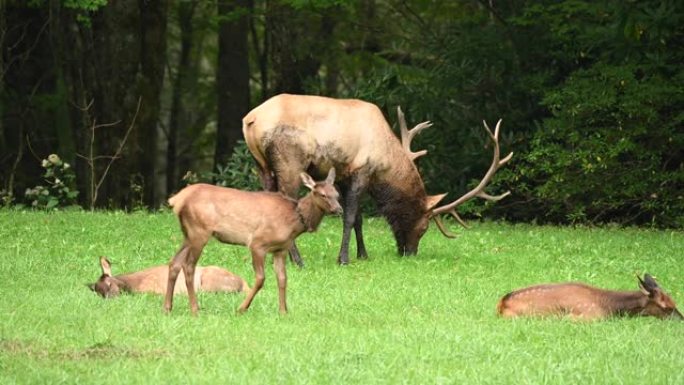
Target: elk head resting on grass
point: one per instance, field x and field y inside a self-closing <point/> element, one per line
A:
<point x="581" y="301"/>
<point x="265" y="222"/>
<point x="289" y="134"/>
<point x="155" y="279"/>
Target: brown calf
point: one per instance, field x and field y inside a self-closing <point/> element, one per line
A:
<point x="581" y="301"/>
<point x="265" y="222"/>
<point x="155" y="279"/>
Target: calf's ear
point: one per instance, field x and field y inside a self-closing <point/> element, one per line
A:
<point x="307" y="180"/>
<point x="331" y="176"/>
<point x="106" y="266"/>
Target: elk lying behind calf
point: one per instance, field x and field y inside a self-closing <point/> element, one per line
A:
<point x="581" y="301"/>
<point x="155" y="279"/>
<point x="265" y="222"/>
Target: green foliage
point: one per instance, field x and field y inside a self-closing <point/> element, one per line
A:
<point x="612" y="149"/>
<point x="611" y="152"/>
<point x="240" y="171"/>
<point x="428" y="319"/>
<point x="60" y="190"/>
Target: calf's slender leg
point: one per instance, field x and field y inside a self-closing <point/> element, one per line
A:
<point x="189" y="265"/>
<point x="174" y="268"/>
<point x="258" y="265"/>
<point x="281" y="276"/>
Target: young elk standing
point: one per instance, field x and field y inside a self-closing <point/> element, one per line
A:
<point x="288" y="134"/>
<point x="155" y="279"/>
<point x="265" y="222"/>
<point x="581" y="301"/>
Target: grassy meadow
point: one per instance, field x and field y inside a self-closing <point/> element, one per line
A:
<point x="428" y="319"/>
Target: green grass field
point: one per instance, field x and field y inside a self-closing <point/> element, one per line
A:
<point x="428" y="319"/>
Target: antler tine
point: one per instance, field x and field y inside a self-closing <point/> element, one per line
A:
<point x="478" y="191"/>
<point x="408" y="135"/>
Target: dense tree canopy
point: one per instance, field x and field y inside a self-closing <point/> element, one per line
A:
<point x="134" y="95"/>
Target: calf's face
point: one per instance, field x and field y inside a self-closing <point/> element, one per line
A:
<point x="107" y="286"/>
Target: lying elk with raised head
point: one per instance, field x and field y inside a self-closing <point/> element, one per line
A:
<point x="581" y="301"/>
<point x="288" y="134"/>
<point x="155" y="279"/>
<point x="265" y="222"/>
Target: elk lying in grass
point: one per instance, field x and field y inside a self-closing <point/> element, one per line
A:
<point x="265" y="222"/>
<point x="581" y="301"/>
<point x="288" y="134"/>
<point x="155" y="279"/>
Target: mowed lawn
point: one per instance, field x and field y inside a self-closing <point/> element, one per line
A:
<point x="428" y="319"/>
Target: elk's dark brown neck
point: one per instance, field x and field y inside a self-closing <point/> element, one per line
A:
<point x="626" y="302"/>
<point x="309" y="214"/>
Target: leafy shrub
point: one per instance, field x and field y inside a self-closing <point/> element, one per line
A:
<point x="60" y="190"/>
<point x="612" y="152"/>
<point x="239" y="172"/>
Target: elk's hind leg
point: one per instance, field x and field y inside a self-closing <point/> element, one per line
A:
<point x="287" y="161"/>
<point x="190" y="262"/>
<point x="174" y="268"/>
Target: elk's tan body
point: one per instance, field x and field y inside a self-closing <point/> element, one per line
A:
<point x="265" y="222"/>
<point x="314" y="124"/>
<point x="581" y="301"/>
<point x="288" y="134"/>
<point x="155" y="279"/>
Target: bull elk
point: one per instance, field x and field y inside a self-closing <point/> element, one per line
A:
<point x="288" y="134"/>
<point x="581" y="301"/>
<point x="154" y="280"/>
<point x="265" y="222"/>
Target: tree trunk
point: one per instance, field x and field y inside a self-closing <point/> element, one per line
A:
<point x="186" y="12"/>
<point x="232" y="76"/>
<point x="152" y="66"/>
<point x="292" y="33"/>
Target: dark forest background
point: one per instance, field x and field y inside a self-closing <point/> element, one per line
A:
<point x="118" y="104"/>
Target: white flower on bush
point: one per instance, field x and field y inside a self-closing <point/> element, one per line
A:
<point x="45" y="163"/>
<point x="66" y="166"/>
<point x="54" y="159"/>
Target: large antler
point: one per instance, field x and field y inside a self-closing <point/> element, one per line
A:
<point x="477" y="191"/>
<point x="408" y="135"/>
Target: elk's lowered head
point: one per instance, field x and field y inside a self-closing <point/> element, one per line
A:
<point x="107" y="286"/>
<point x="660" y="304"/>
<point x="409" y="234"/>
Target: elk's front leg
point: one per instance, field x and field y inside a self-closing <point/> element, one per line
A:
<point x="358" y="231"/>
<point x="281" y="276"/>
<point x="352" y="194"/>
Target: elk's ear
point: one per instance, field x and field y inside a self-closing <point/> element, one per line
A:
<point x="331" y="176"/>
<point x="91" y="286"/>
<point x="432" y="200"/>
<point x="650" y="281"/>
<point x="645" y="285"/>
<point x="308" y="180"/>
<point x="106" y="266"/>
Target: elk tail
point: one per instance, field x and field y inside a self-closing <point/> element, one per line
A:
<point x="252" y="140"/>
<point x="178" y="201"/>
